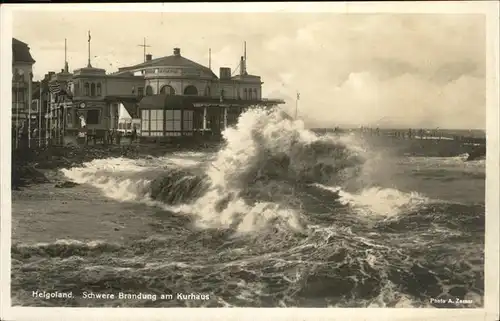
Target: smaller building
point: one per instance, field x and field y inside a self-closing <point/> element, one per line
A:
<point x="40" y="107"/>
<point x="22" y="76"/>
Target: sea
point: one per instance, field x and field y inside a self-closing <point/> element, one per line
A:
<point x="280" y="216"/>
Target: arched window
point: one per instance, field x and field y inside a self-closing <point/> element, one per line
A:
<point x="245" y="93"/>
<point x="87" y="89"/>
<point x="99" y="90"/>
<point x="92" y="89"/>
<point x="149" y="90"/>
<point x="167" y="90"/>
<point x="191" y="90"/>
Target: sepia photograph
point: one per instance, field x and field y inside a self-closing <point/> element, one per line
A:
<point x="257" y="156"/>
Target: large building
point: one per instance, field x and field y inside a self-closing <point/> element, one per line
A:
<point x="173" y="97"/>
<point x="22" y="76"/>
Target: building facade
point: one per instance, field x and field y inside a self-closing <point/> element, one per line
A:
<point x="22" y="77"/>
<point x="185" y="99"/>
<point x="171" y="96"/>
<point x="40" y="107"/>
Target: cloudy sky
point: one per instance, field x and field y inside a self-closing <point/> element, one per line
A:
<point x="398" y="70"/>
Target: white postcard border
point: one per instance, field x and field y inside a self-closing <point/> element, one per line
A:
<point x="488" y="313"/>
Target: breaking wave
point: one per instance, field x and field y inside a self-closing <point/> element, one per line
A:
<point x="279" y="216"/>
<point x="259" y="179"/>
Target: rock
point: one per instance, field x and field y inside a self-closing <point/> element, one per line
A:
<point x="66" y="184"/>
<point x="477" y="155"/>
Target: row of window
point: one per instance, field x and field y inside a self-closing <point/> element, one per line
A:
<point x="169" y="90"/>
<point x="90" y="89"/>
<point x="250" y="93"/>
<point x="159" y="121"/>
<point x="93" y="90"/>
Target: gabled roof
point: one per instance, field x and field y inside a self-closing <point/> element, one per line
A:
<point x="173" y="60"/>
<point x="21" y="52"/>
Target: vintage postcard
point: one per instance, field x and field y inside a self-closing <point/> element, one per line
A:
<point x="306" y="161"/>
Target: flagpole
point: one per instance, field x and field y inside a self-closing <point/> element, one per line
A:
<point x="45" y="116"/>
<point x="89" y="65"/>
<point x="65" y="55"/>
<point x="40" y="115"/>
<point x="17" y="113"/>
<point x="49" y="120"/>
<point x="29" y="121"/>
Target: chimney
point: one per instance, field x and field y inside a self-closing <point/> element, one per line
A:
<point x="225" y="73"/>
<point x="243" y="67"/>
<point x="149" y="57"/>
<point x="177" y="52"/>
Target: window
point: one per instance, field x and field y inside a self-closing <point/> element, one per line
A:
<point x="145" y="121"/>
<point x="188" y="120"/>
<point x="140" y="91"/>
<point x="19" y="95"/>
<point x="69" y="118"/>
<point x="87" y="89"/>
<point x="76" y="88"/>
<point x="173" y="120"/>
<point x="92" y="117"/>
<point x="149" y="90"/>
<point x="167" y="90"/>
<point x="207" y="91"/>
<point x="151" y="122"/>
<point x="156" y="120"/>
<point x="92" y="89"/>
<point x="191" y="90"/>
<point x="245" y="93"/>
<point x="99" y="90"/>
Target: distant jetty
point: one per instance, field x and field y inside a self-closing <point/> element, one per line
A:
<point x="430" y="143"/>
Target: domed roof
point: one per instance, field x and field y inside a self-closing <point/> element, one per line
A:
<point x="175" y="60"/>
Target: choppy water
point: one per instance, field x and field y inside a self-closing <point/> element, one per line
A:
<point x="279" y="217"/>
